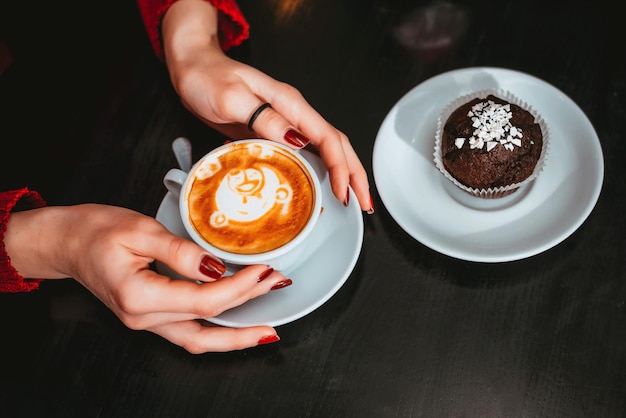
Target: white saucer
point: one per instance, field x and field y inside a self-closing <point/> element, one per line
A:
<point x="334" y="248"/>
<point x="526" y="223"/>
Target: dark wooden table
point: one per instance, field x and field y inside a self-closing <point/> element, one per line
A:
<point x="87" y="114"/>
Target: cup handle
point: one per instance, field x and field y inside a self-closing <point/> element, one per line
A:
<point x="174" y="180"/>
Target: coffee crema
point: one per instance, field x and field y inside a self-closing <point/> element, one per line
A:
<point x="250" y="198"/>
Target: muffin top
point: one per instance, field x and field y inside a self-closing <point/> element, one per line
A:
<point x="489" y="143"/>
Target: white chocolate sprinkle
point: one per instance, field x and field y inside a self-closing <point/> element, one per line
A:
<point x="492" y="127"/>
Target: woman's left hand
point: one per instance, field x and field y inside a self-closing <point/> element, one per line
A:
<point x="225" y="93"/>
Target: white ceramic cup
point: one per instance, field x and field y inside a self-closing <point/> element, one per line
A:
<point x="241" y="211"/>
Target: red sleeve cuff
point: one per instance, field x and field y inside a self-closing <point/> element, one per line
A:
<point x="233" y="27"/>
<point x="15" y="200"/>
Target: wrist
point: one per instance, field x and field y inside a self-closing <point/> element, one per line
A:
<point x="36" y="241"/>
<point x="189" y="28"/>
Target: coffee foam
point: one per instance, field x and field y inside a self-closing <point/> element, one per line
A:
<point x="250" y="198"/>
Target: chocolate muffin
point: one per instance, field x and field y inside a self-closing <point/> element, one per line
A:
<point x="490" y="145"/>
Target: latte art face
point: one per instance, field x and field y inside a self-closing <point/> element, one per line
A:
<point x="248" y="195"/>
<point x="250" y="198"/>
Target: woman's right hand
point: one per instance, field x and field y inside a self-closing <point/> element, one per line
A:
<point x="110" y="249"/>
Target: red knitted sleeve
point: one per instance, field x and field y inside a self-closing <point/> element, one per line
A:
<point x="233" y="27"/>
<point x="15" y="200"/>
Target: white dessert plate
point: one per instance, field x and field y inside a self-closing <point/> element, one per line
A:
<point x="334" y="248"/>
<point x="434" y="212"/>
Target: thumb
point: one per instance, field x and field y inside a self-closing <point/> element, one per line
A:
<point x="189" y="259"/>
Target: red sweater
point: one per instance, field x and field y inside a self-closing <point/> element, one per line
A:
<point x="233" y="29"/>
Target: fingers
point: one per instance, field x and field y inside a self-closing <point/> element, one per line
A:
<point x="146" y="298"/>
<point x="151" y="299"/>
<point x="198" y="338"/>
<point x="281" y="122"/>
<point x="237" y="289"/>
<point x="357" y="175"/>
<point x="292" y="121"/>
<point x="343" y="164"/>
<point x="186" y="258"/>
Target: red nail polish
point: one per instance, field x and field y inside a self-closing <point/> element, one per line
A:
<point x="371" y="209"/>
<point x="212" y="267"/>
<point x="265" y="274"/>
<point x="269" y="339"/>
<point x="296" y="139"/>
<point x="346" y="202"/>
<point x="281" y="284"/>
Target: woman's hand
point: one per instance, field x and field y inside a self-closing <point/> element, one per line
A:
<point x="225" y="93"/>
<point x="110" y="249"/>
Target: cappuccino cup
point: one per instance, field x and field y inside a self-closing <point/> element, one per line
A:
<point x="248" y="202"/>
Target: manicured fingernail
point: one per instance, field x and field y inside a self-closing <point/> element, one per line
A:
<point x="281" y="284"/>
<point x="371" y="209"/>
<point x="346" y="201"/>
<point x="212" y="267"/>
<point x="265" y="274"/>
<point x="296" y="139"/>
<point x="269" y="339"/>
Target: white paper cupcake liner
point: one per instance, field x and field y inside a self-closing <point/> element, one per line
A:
<point x="490" y="193"/>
